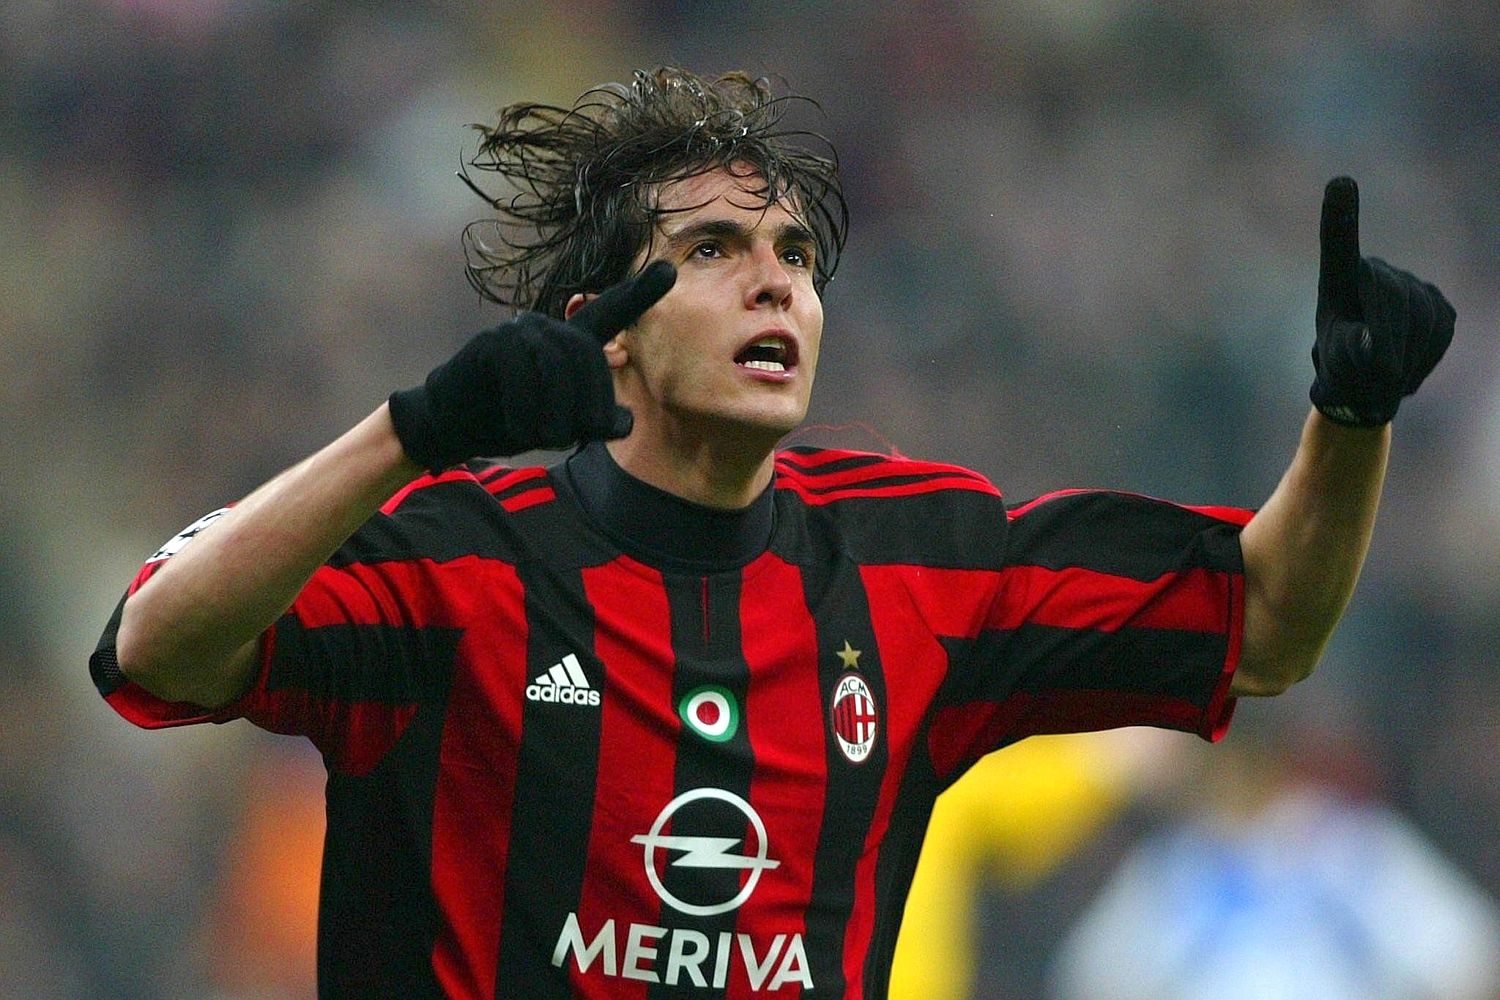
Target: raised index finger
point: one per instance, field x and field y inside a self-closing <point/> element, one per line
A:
<point x="621" y="305"/>
<point x="1338" y="237"/>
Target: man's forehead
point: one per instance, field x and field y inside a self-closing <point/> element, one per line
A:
<point x="739" y="190"/>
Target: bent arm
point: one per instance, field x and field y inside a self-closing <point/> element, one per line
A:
<point x="1304" y="549"/>
<point x="190" y="632"/>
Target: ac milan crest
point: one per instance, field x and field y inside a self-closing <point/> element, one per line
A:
<point x="854" y="718"/>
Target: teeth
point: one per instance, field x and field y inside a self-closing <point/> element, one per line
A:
<point x="766" y="366"/>
<point x="775" y="342"/>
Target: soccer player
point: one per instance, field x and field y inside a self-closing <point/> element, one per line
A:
<point x="668" y="717"/>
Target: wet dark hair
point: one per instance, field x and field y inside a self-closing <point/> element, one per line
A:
<point x="585" y="179"/>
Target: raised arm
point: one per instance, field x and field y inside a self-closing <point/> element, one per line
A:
<point x="190" y="632"/>
<point x="1380" y="331"/>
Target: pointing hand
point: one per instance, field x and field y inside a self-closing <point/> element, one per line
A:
<point x="1380" y="330"/>
<point x="534" y="382"/>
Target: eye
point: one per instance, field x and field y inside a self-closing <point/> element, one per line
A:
<point x="797" y="256"/>
<point x="707" y="250"/>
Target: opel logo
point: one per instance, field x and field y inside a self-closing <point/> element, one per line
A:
<point x="705" y="852"/>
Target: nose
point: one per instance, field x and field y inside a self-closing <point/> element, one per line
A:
<point x="770" y="283"/>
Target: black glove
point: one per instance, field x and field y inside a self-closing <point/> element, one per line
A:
<point x="534" y="382"/>
<point x="1380" y="330"/>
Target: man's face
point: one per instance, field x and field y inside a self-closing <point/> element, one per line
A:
<point x="731" y="350"/>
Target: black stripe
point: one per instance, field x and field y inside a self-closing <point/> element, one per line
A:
<point x="556" y="776"/>
<point x="388" y="664"/>
<point x="953" y="529"/>
<point x="487" y="473"/>
<point x="442" y="522"/>
<point x="377" y="917"/>
<point x="461" y="518"/>
<point x="525" y="486"/>
<point x="1166" y="662"/>
<point x="705" y="615"/>
<point x="841" y="613"/>
<point x="1122" y="534"/>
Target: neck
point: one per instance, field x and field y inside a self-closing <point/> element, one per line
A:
<point x="722" y="472"/>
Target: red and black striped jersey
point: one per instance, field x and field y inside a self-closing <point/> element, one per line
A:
<point x="560" y="766"/>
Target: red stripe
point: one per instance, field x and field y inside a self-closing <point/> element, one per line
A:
<point x="475" y="791"/>
<point x="383" y="593"/>
<point x="530" y="498"/>
<point x="354" y="735"/>
<point x="884" y="470"/>
<point x="1234" y="515"/>
<point x="638" y="735"/>
<point x="142" y="708"/>
<point x="961" y="603"/>
<point x="515" y="478"/>
<point x="399" y="497"/>
<point x="934" y="485"/>
<point x="789" y="783"/>
<point x="916" y="663"/>
<point x="1220" y="705"/>
<point x="146" y="572"/>
<point x="1195" y="600"/>
<point x="953" y="602"/>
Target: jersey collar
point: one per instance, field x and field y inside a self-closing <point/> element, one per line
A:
<point x="661" y="528"/>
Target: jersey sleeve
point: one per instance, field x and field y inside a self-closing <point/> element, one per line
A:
<point x="363" y="646"/>
<point x="1111" y="609"/>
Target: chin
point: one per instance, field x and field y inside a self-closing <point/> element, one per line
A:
<point x="761" y="429"/>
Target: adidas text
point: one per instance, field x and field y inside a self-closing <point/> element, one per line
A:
<point x="564" y="696"/>
<point x="563" y="684"/>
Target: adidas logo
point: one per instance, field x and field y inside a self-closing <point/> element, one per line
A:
<point x="564" y="683"/>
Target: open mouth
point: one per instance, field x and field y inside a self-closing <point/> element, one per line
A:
<point x="769" y="354"/>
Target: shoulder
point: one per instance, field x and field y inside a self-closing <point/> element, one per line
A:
<point x="465" y="511"/>
<point x="827" y="475"/>
<point x="890" y="508"/>
<point x="474" y="484"/>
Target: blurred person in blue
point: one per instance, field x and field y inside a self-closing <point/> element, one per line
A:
<point x="1285" y="881"/>
<point x="669" y="717"/>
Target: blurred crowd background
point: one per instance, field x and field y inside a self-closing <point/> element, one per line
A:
<point x="1084" y="252"/>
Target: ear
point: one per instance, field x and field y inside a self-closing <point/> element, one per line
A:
<point x="577" y="302"/>
<point x="617" y="351"/>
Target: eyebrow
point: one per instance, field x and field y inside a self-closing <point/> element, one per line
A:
<point x="729" y="229"/>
